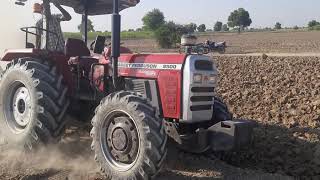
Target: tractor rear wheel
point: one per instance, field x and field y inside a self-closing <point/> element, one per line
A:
<point x="129" y="140"/>
<point x="32" y="104"/>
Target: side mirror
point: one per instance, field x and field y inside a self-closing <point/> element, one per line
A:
<point x="99" y="44"/>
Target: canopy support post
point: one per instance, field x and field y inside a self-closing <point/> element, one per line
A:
<point x="115" y="41"/>
<point x="85" y="22"/>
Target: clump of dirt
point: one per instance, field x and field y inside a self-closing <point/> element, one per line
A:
<point x="282" y="94"/>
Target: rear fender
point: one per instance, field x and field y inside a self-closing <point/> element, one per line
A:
<point x="11" y="54"/>
<point x="61" y="61"/>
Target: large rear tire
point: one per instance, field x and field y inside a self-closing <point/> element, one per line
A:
<point x="33" y="104"/>
<point x="129" y="140"/>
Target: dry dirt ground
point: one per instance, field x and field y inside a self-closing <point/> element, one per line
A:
<point x="280" y="92"/>
<point x="72" y="159"/>
<point x="249" y="42"/>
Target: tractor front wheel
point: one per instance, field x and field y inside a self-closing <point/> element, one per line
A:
<point x="128" y="139"/>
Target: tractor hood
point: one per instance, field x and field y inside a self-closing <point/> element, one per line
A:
<point x="97" y="7"/>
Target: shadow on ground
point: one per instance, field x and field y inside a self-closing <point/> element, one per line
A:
<point x="277" y="149"/>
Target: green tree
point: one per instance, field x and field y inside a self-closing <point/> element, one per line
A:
<point x="313" y="23"/>
<point x="278" y="26"/>
<point x="295" y="27"/>
<point x="239" y="18"/>
<point x="153" y="20"/>
<point x="225" y="27"/>
<point x="202" y="28"/>
<point x="192" y="27"/>
<point x="218" y="26"/>
<point x="90" y="27"/>
<point x="169" y="34"/>
<point x="164" y="36"/>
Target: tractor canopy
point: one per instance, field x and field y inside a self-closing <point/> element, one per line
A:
<point x="97" y="7"/>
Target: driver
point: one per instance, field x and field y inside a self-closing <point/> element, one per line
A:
<point x="55" y="41"/>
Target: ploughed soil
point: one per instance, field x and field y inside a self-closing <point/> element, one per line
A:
<point x="282" y="95"/>
<point x="73" y="159"/>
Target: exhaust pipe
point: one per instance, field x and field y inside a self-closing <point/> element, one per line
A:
<point x="115" y="46"/>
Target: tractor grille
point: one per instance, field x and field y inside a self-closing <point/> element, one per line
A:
<point x="136" y="85"/>
<point x="202" y="97"/>
<point x="202" y="89"/>
<point x="198" y="98"/>
<point x="139" y="87"/>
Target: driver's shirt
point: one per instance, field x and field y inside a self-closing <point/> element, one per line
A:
<point x="56" y="40"/>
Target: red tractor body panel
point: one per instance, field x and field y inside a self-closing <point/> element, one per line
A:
<point x="164" y="68"/>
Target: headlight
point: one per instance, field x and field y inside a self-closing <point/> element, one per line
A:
<point x="197" y="78"/>
<point x="212" y="79"/>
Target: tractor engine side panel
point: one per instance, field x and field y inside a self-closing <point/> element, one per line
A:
<point x="147" y="88"/>
<point x="170" y="93"/>
<point x="165" y="69"/>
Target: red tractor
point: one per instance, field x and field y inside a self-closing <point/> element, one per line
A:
<point x="140" y="99"/>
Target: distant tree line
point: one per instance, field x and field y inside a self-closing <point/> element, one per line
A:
<point x="314" y="25"/>
<point x="168" y="33"/>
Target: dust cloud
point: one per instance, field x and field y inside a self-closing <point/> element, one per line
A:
<point x="71" y="157"/>
<point x="13" y="17"/>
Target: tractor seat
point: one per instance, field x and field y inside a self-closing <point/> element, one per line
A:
<point x="76" y="48"/>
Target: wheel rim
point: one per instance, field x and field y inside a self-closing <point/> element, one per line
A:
<point x="18" y="107"/>
<point x="120" y="140"/>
